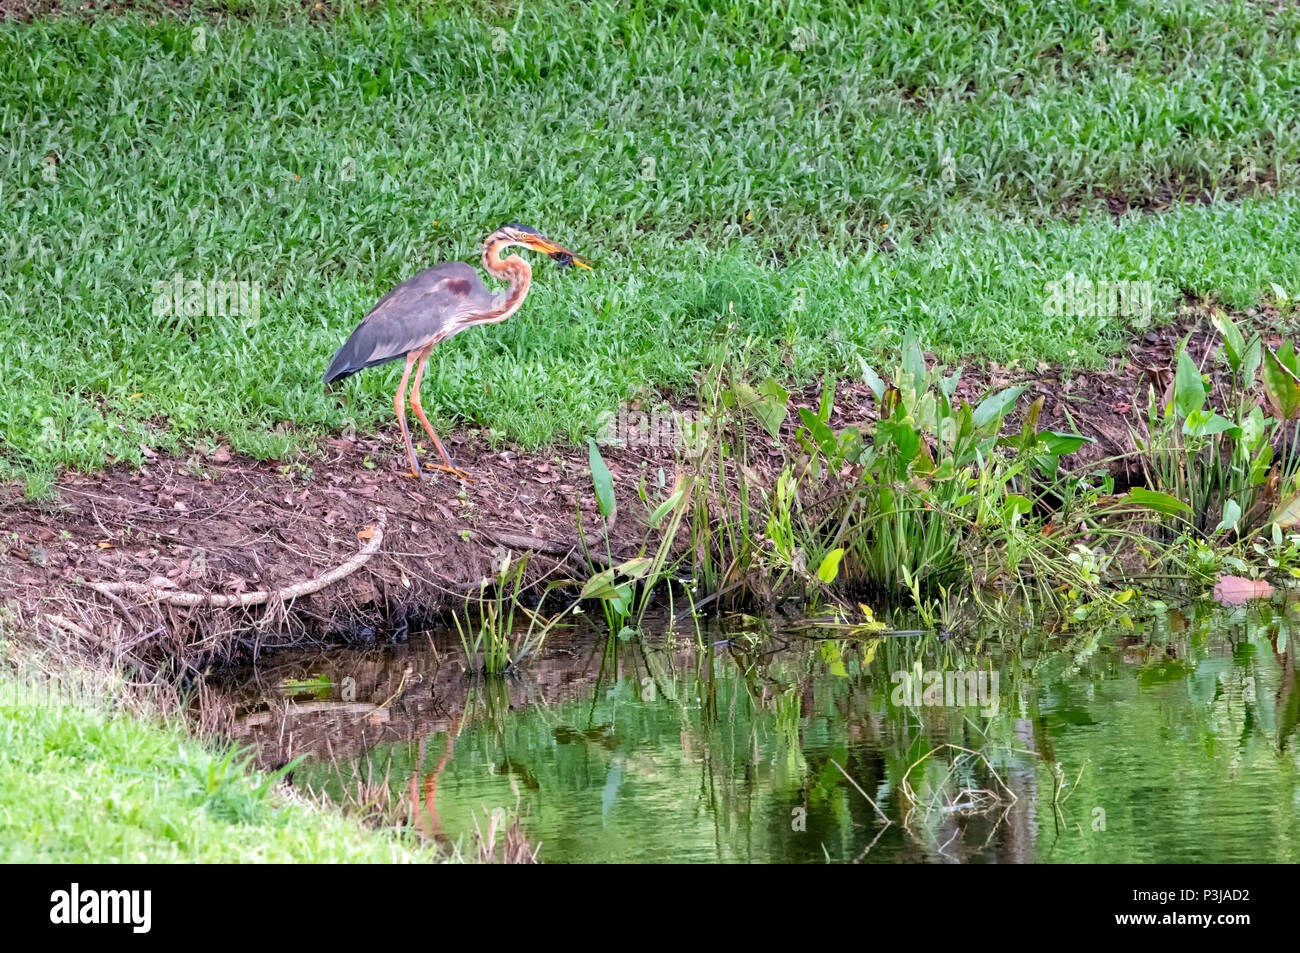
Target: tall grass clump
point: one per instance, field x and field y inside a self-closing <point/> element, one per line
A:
<point x="486" y="625"/>
<point x="1230" y="471"/>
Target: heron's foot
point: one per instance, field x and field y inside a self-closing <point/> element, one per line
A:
<point x="457" y="472"/>
<point x="415" y="475"/>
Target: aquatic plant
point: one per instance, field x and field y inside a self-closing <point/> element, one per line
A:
<point x="1232" y="471"/>
<point x="487" y="623"/>
<point x="933" y="499"/>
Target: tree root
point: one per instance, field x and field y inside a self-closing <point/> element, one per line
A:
<point x="247" y="599"/>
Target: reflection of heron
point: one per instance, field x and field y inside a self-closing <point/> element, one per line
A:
<point x="431" y="307"/>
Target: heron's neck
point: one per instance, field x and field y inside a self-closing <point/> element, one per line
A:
<point x="513" y="269"/>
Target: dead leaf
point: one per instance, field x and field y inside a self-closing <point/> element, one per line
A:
<point x="1287" y="515"/>
<point x="367" y="533"/>
<point x="161" y="582"/>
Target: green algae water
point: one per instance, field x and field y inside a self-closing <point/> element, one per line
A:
<point x="1172" y="740"/>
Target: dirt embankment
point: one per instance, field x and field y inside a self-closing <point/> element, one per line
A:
<point x="211" y="560"/>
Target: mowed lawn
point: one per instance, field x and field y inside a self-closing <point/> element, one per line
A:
<point x="826" y="177"/>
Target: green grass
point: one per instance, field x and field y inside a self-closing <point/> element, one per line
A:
<point x="922" y="168"/>
<point x="91" y="783"/>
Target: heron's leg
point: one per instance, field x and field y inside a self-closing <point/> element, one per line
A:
<point x="398" y="401"/>
<point x="450" y="467"/>
<point x="423" y="359"/>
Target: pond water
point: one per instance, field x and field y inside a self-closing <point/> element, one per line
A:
<point x="1173" y="740"/>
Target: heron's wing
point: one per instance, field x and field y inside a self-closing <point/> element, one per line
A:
<point x="412" y="315"/>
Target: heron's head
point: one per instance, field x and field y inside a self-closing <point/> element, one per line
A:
<point x="532" y="238"/>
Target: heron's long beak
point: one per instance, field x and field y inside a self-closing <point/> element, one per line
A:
<point x="558" y="252"/>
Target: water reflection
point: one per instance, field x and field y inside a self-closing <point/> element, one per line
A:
<point x="1173" y="741"/>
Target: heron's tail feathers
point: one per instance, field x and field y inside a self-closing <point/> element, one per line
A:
<point x="343" y="365"/>
<point x="356" y="354"/>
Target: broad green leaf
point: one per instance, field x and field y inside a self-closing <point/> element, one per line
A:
<point x="1234" y="345"/>
<point x="767" y="404"/>
<point x="774" y="396"/>
<point x="1281" y="383"/>
<point x="872" y="379"/>
<point x="1254" y="355"/>
<point x="1231" y="514"/>
<point x="1015" y="507"/>
<point x="827" y="405"/>
<point x="604" y="483"/>
<point x="1205" y="423"/>
<point x="914" y="363"/>
<point x="902" y="435"/>
<point x="1287" y="355"/>
<point x="635" y="568"/>
<point x="667" y="506"/>
<point x="1155" y="500"/>
<point x="621" y="601"/>
<point x="830" y="567"/>
<point x="1060" y="444"/>
<point x="599" y="586"/>
<point x="996" y="406"/>
<point x="822" y="434"/>
<point x="1189" y="389"/>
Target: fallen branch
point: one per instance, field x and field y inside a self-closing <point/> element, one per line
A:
<point x="246" y="599"/>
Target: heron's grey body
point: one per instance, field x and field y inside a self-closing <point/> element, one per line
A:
<point x="421" y="311"/>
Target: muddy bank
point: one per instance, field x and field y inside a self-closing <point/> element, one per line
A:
<point x="212" y="559"/>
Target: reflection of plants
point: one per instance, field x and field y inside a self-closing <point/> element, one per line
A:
<point x="957" y="788"/>
<point x="787" y="720"/>
<point x="500" y="839"/>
